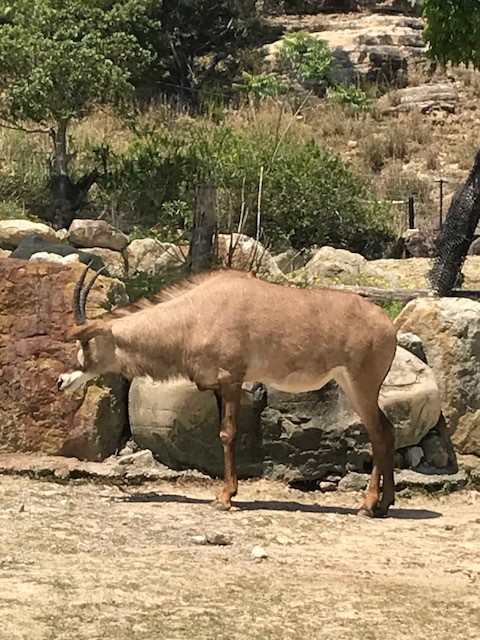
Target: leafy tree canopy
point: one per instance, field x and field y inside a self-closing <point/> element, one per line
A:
<point x="453" y="30"/>
<point x="59" y="58"/>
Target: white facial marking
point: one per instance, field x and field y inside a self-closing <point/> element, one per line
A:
<point x="72" y="381"/>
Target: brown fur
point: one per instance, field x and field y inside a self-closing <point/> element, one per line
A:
<point x="224" y="328"/>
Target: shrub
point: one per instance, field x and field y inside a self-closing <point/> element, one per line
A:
<point x="309" y="196"/>
<point x="306" y="58"/>
<point x="259" y="86"/>
<point x="352" y="96"/>
<point x="10" y="210"/>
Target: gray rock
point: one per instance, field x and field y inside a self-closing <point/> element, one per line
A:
<point x="425" y="98"/>
<point x="12" y="232"/>
<point x="33" y="243"/>
<point x="435" y="451"/>
<point x="413" y="344"/>
<point x="325" y="486"/>
<point x="407" y="478"/>
<point x="413" y="456"/>
<point x="354" y="482"/>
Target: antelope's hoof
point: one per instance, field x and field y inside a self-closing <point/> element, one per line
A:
<point x="365" y="512"/>
<point x="219" y="505"/>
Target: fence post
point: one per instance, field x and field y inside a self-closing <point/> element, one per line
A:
<point x="411" y="212"/>
<point x="201" y="255"/>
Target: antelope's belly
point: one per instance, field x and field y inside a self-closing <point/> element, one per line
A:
<point x="295" y="382"/>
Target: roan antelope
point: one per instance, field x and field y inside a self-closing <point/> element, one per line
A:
<point x="223" y="328"/>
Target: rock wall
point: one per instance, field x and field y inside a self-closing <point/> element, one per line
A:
<point x="35" y="316"/>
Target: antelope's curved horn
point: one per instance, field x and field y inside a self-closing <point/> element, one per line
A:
<point x="85" y="291"/>
<point x="80" y="317"/>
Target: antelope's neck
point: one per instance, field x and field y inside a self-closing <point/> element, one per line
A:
<point x="154" y="343"/>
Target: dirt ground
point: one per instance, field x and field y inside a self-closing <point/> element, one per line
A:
<point x="82" y="561"/>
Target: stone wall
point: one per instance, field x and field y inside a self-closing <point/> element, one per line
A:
<point x="35" y="316"/>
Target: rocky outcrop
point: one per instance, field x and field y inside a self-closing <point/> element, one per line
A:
<point x="96" y="233"/>
<point x="424" y="98"/>
<point x="369" y="46"/>
<point x="450" y="332"/>
<point x="12" y="232"/>
<point x="35" y="316"/>
<point x="291" y="436"/>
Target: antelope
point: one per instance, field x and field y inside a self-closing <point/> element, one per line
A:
<point x="223" y="328"/>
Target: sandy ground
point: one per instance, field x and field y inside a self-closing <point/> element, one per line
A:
<point x="80" y="561"/>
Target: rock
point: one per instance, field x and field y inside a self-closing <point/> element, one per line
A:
<point x="151" y="256"/>
<point x="34" y="244"/>
<point x="35" y="316"/>
<point x="96" y="233"/>
<point x="435" y="451"/>
<point x="425" y="98"/>
<point x="474" y="249"/>
<point x="113" y="261"/>
<point x="354" y="482"/>
<point x="142" y="459"/>
<point x="371" y="47"/>
<point x="12" y="232"/>
<point x="4" y="253"/>
<point x="239" y="251"/>
<point x="411" y="399"/>
<point x="413" y="456"/>
<point x="180" y="424"/>
<point x="404" y="7"/>
<point x="450" y="332"/>
<point x="412" y="343"/>
<point x="418" y="243"/>
<point x="431" y="481"/>
<point x="336" y="266"/>
<point x="44" y="256"/>
<point x="325" y="486"/>
<point x="259" y="553"/>
<point x="199" y="539"/>
<point x="292" y="260"/>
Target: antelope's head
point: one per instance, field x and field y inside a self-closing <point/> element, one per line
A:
<point x="96" y="345"/>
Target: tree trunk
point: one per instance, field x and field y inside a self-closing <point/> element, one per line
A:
<point x="68" y="196"/>
<point x="202" y="246"/>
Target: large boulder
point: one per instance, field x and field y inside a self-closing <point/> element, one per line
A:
<point x="151" y="256"/>
<point x="449" y="329"/>
<point x="12" y="232"/>
<point x="180" y="424"/>
<point x="35" y="316"/>
<point x="292" y="436"/>
<point x="239" y="251"/>
<point x="96" y="233"/>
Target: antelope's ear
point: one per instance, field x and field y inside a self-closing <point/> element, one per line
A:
<point x="86" y="332"/>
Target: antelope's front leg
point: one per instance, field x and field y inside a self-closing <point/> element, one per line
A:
<point x="230" y="406"/>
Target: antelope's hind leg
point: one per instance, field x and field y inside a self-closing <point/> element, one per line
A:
<point x="381" y="433"/>
<point x="228" y="399"/>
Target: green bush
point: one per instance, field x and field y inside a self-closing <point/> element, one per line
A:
<point x="10" y="210"/>
<point x="352" y="96"/>
<point x="309" y="196"/>
<point x="306" y="58"/>
<point x="259" y="86"/>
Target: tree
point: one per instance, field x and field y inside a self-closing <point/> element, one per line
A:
<point x="453" y="30"/>
<point x="59" y="60"/>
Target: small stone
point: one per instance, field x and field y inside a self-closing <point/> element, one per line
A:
<point x="218" y="539"/>
<point x="199" y="540"/>
<point x="259" y="553"/>
<point x="353" y="482"/>
<point x="283" y="540"/>
<point x="413" y="456"/>
<point x="22" y="508"/>
<point x="449" y="527"/>
<point x="325" y="486"/>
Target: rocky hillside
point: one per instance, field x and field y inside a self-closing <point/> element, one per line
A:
<point x="420" y="130"/>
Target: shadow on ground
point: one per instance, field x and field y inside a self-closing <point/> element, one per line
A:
<point x="277" y="505"/>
